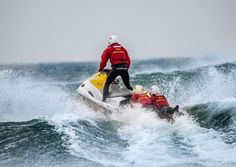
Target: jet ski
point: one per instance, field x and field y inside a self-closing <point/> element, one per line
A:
<point x="92" y="90"/>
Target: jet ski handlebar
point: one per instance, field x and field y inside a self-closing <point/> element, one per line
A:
<point x="106" y="71"/>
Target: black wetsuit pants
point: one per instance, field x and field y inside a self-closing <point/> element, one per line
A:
<point x="116" y="71"/>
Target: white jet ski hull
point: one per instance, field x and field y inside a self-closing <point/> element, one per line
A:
<point x="92" y="88"/>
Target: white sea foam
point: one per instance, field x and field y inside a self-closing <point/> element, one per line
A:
<point x="151" y="141"/>
<point x="154" y="142"/>
<point x="23" y="99"/>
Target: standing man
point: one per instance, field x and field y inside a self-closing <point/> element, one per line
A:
<point x="120" y="63"/>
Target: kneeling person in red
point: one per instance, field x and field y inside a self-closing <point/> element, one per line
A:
<point x="141" y="97"/>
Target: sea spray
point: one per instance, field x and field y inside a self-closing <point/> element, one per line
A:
<point x="44" y="122"/>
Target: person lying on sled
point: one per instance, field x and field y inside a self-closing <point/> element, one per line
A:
<point x="161" y="105"/>
<point x="153" y="100"/>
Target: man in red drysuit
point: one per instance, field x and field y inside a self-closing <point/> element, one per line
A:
<point x="120" y="63"/>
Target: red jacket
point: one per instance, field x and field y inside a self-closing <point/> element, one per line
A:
<point x="159" y="101"/>
<point x="143" y="99"/>
<point x="117" y="55"/>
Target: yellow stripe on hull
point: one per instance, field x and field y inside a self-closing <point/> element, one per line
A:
<point x="98" y="80"/>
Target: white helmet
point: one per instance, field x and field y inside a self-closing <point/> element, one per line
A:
<point x="155" y="89"/>
<point x="112" y="39"/>
<point x="138" y="89"/>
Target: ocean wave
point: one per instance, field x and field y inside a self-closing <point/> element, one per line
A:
<point x="44" y="123"/>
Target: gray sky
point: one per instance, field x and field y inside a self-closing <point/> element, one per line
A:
<point x="77" y="30"/>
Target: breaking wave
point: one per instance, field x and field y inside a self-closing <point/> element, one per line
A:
<point x="43" y="122"/>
